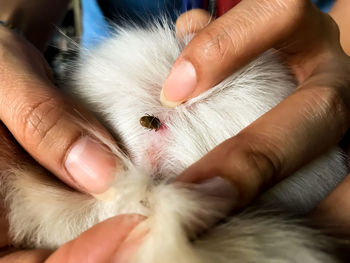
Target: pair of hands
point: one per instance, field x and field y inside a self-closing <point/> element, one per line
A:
<point x="309" y="122"/>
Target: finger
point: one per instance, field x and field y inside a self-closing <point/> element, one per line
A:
<point x="334" y="211"/>
<point x="309" y="122"/>
<point x="340" y="13"/>
<point x="192" y="22"/>
<point x="27" y="256"/>
<point x="45" y="122"/>
<point x="238" y="36"/>
<point x="100" y="243"/>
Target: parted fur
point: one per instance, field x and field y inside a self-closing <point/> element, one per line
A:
<point x="121" y="81"/>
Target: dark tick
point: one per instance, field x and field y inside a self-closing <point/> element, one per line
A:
<point x="150" y="122"/>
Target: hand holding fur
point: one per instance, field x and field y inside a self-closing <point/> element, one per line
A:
<point x="121" y="81"/>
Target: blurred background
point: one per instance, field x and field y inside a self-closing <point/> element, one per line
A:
<point x="88" y="22"/>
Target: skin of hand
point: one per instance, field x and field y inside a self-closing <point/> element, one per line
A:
<point x="45" y="122"/>
<point x="306" y="124"/>
<point x="113" y="240"/>
<point x="260" y="152"/>
<point x="340" y="13"/>
<point x="37" y="115"/>
<point x="28" y="16"/>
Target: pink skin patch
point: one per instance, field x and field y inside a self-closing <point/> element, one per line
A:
<point x="162" y="128"/>
<point x="155" y="144"/>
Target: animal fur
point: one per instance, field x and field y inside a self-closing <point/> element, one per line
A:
<point x="121" y="81"/>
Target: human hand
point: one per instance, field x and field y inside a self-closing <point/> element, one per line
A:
<point x="44" y="121"/>
<point x="112" y="240"/>
<point x="306" y="124"/>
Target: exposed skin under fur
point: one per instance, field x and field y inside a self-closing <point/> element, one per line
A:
<point x="121" y="81"/>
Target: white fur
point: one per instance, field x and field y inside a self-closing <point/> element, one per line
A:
<point x="121" y="80"/>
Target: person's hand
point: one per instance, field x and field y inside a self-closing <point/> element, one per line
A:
<point x="306" y="124"/>
<point x="112" y="240"/>
<point x="45" y="122"/>
<point x="34" y="113"/>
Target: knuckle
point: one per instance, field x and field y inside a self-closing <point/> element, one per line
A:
<point x="298" y="6"/>
<point x="39" y="120"/>
<point x="264" y="159"/>
<point x="254" y="162"/>
<point x="292" y="14"/>
<point x="329" y="103"/>
<point x="218" y="43"/>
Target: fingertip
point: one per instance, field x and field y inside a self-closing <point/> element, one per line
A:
<point x="180" y="84"/>
<point x="91" y="165"/>
<point x="133" y="219"/>
<point x="182" y="81"/>
<point x="99" y="243"/>
<point x="128" y="248"/>
<point x="166" y="102"/>
<point x="191" y="22"/>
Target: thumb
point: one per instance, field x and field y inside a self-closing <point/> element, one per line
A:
<point x="234" y="39"/>
<point x="101" y="243"/>
<point x="44" y="121"/>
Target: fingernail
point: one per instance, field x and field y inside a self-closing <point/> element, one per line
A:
<point x="91" y="165"/>
<point x="179" y="85"/>
<point x="129" y="247"/>
<point x="219" y="187"/>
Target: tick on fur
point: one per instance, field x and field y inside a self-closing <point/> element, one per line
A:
<point x="150" y="122"/>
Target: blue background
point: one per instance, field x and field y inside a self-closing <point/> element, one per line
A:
<point x="95" y="27"/>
